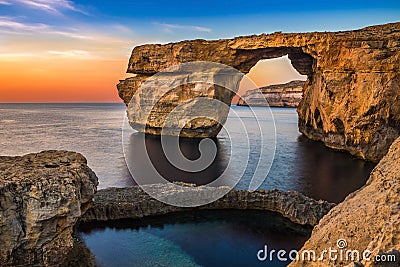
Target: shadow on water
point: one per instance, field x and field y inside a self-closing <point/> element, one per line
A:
<point x="316" y="171"/>
<point x="329" y="174"/>
<point x="300" y="164"/>
<point x="195" y="238"/>
<point x="145" y="155"/>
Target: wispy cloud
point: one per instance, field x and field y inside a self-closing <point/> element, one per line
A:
<point x="71" y="34"/>
<point x="77" y="41"/>
<point x="71" y="54"/>
<point x="121" y="28"/>
<point x="81" y="54"/>
<point x="10" y="23"/>
<point x="51" y="6"/>
<point x="171" y="27"/>
<point x="24" y="35"/>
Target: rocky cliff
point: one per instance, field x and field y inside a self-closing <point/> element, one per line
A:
<point x="350" y="95"/>
<point x="277" y="95"/>
<point x="368" y="219"/>
<point x="41" y="198"/>
<point x="134" y="203"/>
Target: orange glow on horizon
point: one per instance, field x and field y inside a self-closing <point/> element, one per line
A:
<point x="61" y="80"/>
<point x="94" y="80"/>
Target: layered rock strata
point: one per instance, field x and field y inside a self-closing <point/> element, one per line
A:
<point x="191" y="100"/>
<point x="41" y="198"/>
<point x="277" y="95"/>
<point x="134" y="203"/>
<point x="349" y="96"/>
<point x="368" y="219"/>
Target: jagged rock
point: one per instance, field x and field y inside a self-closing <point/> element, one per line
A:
<point x="277" y="95"/>
<point x="41" y="198"/>
<point x="368" y="219"/>
<point x="133" y="203"/>
<point x="350" y="94"/>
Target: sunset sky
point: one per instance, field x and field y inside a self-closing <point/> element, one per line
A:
<point x="76" y="51"/>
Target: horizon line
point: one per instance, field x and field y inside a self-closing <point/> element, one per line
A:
<point x="67" y="102"/>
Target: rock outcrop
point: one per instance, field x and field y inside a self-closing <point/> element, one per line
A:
<point x="368" y="219"/>
<point x="350" y="95"/>
<point x="191" y="100"/>
<point x="41" y="198"/>
<point x="277" y="95"/>
<point x="134" y="203"/>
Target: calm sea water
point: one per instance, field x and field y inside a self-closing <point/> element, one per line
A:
<point x="95" y="131"/>
<point x="194" y="239"/>
<point x="91" y="129"/>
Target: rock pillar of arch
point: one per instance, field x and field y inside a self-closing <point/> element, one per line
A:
<point x="351" y="99"/>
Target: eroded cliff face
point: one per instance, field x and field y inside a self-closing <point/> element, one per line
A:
<point x="41" y="198"/>
<point x="368" y="219"/>
<point x="351" y="94"/>
<point x="277" y="95"/>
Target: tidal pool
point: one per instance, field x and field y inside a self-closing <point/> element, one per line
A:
<point x="196" y="238"/>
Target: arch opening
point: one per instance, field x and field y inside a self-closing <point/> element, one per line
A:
<point x="272" y="75"/>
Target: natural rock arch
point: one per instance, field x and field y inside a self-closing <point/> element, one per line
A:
<point x="353" y="79"/>
<point x="142" y="62"/>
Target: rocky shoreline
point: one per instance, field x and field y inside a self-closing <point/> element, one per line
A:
<point x="134" y="203"/>
<point x="352" y="83"/>
<point x="45" y="195"/>
<point x="277" y="95"/>
<point x="42" y="196"/>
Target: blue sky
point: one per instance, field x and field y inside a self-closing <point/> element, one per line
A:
<point x="109" y="29"/>
<point x="76" y="50"/>
<point x="210" y="8"/>
<point x="165" y="21"/>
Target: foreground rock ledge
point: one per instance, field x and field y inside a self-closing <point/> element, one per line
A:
<point x="367" y="219"/>
<point x="41" y="198"/>
<point x="134" y="203"/>
<point x="350" y="95"/>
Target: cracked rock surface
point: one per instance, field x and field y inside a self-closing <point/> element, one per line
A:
<point x="42" y="196"/>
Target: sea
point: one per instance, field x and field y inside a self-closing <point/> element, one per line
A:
<point x="100" y="132"/>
